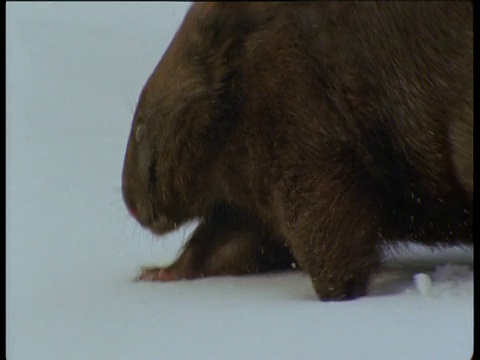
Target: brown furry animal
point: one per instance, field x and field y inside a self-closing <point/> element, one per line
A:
<point x="311" y="132"/>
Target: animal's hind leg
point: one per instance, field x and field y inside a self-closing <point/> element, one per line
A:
<point x="227" y="242"/>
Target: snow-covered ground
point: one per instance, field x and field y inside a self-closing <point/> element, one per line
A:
<point x="74" y="71"/>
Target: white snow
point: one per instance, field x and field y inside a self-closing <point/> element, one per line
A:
<point x="423" y="283"/>
<point x="73" y="75"/>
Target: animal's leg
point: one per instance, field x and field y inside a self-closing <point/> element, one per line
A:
<point x="227" y="242"/>
<point x="332" y="228"/>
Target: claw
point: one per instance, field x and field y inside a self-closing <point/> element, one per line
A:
<point x="157" y="274"/>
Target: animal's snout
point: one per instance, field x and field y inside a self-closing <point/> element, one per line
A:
<point x="137" y="209"/>
<point x="132" y="211"/>
<point x="138" y="213"/>
<point x="132" y="206"/>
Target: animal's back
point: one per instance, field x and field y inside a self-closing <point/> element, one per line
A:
<point x="371" y="91"/>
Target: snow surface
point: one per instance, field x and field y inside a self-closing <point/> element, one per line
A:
<point x="74" y="72"/>
<point x="423" y="283"/>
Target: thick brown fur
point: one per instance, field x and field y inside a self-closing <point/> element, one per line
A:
<point x="311" y="132"/>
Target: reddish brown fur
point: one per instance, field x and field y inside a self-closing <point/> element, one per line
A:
<point x="315" y="131"/>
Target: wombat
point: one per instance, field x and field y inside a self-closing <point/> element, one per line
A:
<point x="312" y="133"/>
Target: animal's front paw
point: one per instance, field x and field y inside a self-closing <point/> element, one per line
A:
<point x="158" y="274"/>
